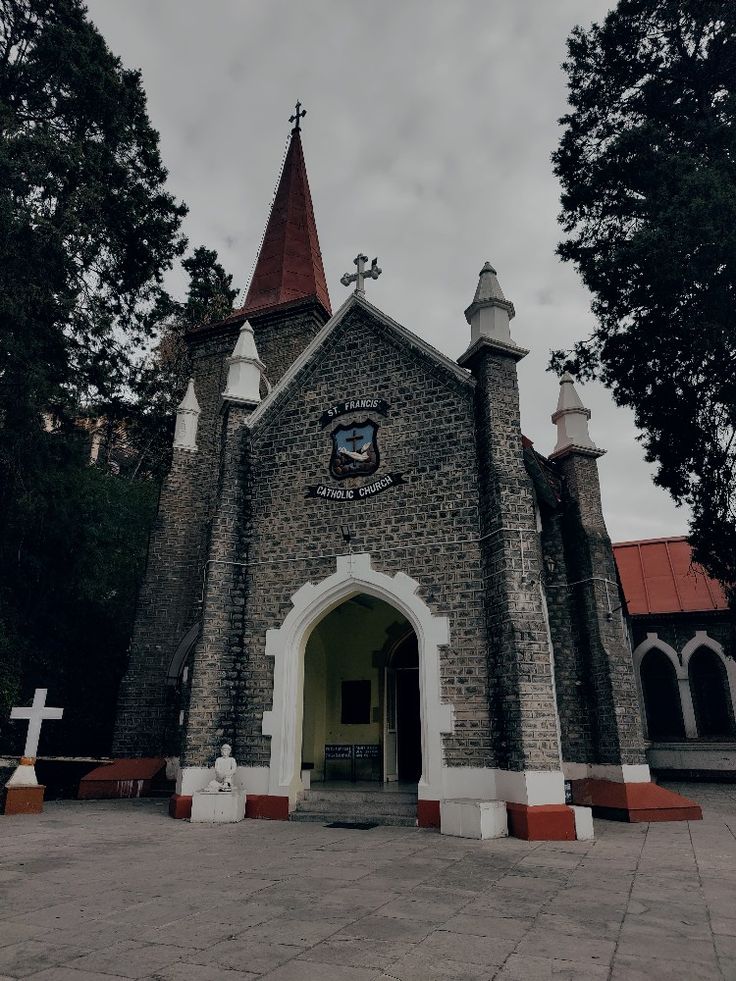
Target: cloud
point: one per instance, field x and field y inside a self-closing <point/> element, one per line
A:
<point x="427" y="139"/>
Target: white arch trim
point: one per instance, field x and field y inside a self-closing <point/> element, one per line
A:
<point x="310" y="604"/>
<point x="701" y="639"/>
<point x="653" y="642"/>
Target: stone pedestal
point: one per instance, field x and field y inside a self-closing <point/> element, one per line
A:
<point x="474" y="818"/>
<point x="219" y="808"/>
<point x="24" y="799"/>
<point x="583" y="823"/>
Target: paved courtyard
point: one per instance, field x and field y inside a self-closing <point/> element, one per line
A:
<point x="97" y="890"/>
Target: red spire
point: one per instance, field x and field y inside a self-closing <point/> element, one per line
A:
<point x="289" y="266"/>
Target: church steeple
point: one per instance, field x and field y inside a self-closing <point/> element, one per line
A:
<point x="289" y="267"/>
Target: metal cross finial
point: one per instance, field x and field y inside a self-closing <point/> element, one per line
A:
<point x="297" y="117"/>
<point x="362" y="274"/>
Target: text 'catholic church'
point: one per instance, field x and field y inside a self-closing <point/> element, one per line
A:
<point x="361" y="570"/>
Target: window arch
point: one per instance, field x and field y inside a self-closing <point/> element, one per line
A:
<point x="711" y="693"/>
<point x="661" y="696"/>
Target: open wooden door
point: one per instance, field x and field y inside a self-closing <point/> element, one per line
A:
<point x="390" y="755"/>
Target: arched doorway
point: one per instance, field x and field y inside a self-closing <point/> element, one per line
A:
<point x="710" y="692"/>
<point x="361" y="715"/>
<point x="661" y="697"/>
<point x="312" y="603"/>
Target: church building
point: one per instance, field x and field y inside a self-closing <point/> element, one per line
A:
<point x="362" y="570"/>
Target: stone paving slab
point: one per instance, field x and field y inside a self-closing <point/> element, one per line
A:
<point x="105" y="890"/>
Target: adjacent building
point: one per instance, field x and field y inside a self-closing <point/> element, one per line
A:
<point x="683" y="638"/>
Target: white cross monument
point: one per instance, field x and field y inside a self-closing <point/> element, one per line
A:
<point x="36" y="713"/>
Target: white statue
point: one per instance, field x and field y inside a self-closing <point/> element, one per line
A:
<point x="225" y="767"/>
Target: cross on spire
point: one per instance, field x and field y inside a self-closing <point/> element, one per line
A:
<point x="35" y="713"/>
<point x="297" y="117"/>
<point x="362" y="274"/>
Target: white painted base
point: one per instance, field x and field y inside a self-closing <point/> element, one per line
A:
<point x="517" y="786"/>
<point x="583" y="823"/>
<point x="474" y="818"/>
<point x="24" y="775"/>
<point x="693" y="756"/>
<point x="615" y="772"/>
<point x="219" y="808"/>
<point x="307" y="779"/>
<point x="251" y="779"/>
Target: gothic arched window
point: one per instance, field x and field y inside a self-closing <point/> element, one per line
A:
<point x="661" y="696"/>
<point x="711" y="696"/>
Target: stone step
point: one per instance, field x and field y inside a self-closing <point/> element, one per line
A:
<point x="348" y="807"/>
<point x="355" y="817"/>
<point x="360" y="797"/>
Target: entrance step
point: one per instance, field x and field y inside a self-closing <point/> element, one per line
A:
<point x="398" y="808"/>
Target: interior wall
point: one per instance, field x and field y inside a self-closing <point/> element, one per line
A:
<point x="345" y="646"/>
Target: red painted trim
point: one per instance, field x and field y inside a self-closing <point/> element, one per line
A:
<point x="267" y="806"/>
<point x="634" y="802"/>
<point x="113" y="789"/>
<point x="428" y="813"/>
<point x="541" y="822"/>
<point x="24" y="800"/>
<point x="180" y="806"/>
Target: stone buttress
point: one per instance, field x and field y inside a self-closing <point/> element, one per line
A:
<point x="603" y="745"/>
<point x="520" y="655"/>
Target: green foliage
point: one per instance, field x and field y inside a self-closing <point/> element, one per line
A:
<point x="87" y="228"/>
<point x="647" y="163"/>
<point x="87" y="232"/>
<point x="210" y="294"/>
<point x="162" y="380"/>
<point x="69" y="590"/>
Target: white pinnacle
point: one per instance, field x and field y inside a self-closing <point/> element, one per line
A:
<point x="187" y="420"/>
<point x="571" y="418"/>
<point x="244" y="369"/>
<point x="490" y="312"/>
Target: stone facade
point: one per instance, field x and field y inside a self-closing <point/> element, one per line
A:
<point x="496" y="558"/>
<point x="531" y="657"/>
<point x="519" y="655"/>
<point x="426" y="528"/>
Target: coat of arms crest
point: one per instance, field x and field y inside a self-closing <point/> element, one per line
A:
<point x="355" y="450"/>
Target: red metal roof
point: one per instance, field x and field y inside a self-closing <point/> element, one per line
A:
<point x="289" y="266"/>
<point x="659" y="576"/>
<point x="139" y="768"/>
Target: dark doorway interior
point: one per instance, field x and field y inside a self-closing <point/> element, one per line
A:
<point x="709" y="687"/>
<point x="408" y="725"/>
<point x="661" y="697"/>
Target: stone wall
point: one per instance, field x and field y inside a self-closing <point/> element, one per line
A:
<point x="679" y="628"/>
<point x="608" y="678"/>
<point x="571" y="677"/>
<point x="427" y="528"/>
<point x="169" y="601"/>
<point x="281" y="336"/>
<point x="519" y="651"/>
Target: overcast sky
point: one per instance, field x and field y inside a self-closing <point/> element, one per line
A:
<point x="429" y="129"/>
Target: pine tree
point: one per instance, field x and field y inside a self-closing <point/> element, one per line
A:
<point x="87" y="231"/>
<point x="647" y="163"/>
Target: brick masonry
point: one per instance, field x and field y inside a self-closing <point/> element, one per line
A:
<point x="608" y="677"/>
<point x="237" y="536"/>
<point x="519" y="655"/>
<point x="427" y="528"/>
<point x="170" y="600"/>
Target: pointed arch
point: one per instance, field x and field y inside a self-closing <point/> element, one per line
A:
<point x="658" y="675"/>
<point x="287" y="645"/>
